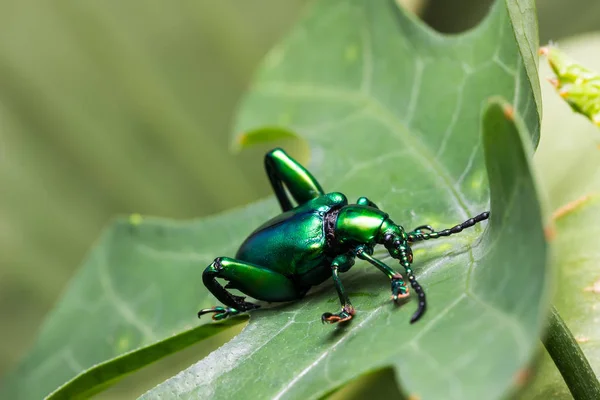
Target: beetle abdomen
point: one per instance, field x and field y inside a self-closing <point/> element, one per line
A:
<point x="293" y="243"/>
<point x="290" y="246"/>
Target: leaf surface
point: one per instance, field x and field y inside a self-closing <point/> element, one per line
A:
<point x="392" y="111"/>
<point x="374" y="131"/>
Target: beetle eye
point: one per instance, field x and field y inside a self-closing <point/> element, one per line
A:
<point x="388" y="238"/>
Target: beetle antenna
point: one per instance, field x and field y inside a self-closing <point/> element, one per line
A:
<point x="421" y="298"/>
<point x="396" y="242"/>
<point x="417" y="235"/>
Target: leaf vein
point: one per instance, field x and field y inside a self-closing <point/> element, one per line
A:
<point x="121" y="306"/>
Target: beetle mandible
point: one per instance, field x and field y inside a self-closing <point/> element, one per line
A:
<point x="309" y="243"/>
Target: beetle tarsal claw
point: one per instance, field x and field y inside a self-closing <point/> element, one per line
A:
<point x="345" y="315"/>
<point x="327" y="317"/>
<point x="399" y="288"/>
<point x="219" y="312"/>
<point x="401" y="296"/>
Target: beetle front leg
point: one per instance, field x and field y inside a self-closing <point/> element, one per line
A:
<point x="419" y="229"/>
<point x="406" y="261"/>
<point x="399" y="288"/>
<point x="340" y="263"/>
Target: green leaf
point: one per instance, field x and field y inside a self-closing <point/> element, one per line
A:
<point x="523" y="18"/>
<point x="104" y="374"/>
<point x="363" y="123"/>
<point x="569" y="165"/>
<point x="471" y="310"/>
<point x="390" y="110"/>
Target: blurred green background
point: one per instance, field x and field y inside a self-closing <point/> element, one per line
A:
<point x="112" y="107"/>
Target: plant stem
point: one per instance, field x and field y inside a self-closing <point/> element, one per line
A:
<point x="570" y="360"/>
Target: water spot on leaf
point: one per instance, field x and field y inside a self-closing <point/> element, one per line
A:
<point x="135" y="219"/>
<point x="123" y="344"/>
<point x="351" y="53"/>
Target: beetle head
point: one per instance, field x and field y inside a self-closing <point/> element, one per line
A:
<point x="394" y="238"/>
<point x="396" y="241"/>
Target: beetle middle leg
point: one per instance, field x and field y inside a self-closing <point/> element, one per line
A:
<point x="341" y="263"/>
<point x="253" y="280"/>
<point x="399" y="288"/>
<point x="284" y="170"/>
<point x="419" y="229"/>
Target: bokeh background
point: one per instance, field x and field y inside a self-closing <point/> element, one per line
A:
<point x="111" y="107"/>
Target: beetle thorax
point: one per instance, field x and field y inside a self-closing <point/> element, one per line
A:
<point x="357" y="224"/>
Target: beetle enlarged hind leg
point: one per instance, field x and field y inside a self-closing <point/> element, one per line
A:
<point x="252" y="280"/>
<point x="284" y="170"/>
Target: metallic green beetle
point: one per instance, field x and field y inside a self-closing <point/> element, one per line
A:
<point x="307" y="244"/>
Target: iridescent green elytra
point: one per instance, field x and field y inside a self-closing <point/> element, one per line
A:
<point x="316" y="240"/>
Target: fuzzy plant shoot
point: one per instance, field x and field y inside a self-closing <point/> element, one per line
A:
<point x="576" y="84"/>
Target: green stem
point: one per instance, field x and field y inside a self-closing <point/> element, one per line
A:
<point x="570" y="360"/>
